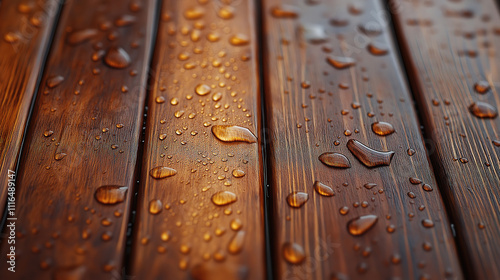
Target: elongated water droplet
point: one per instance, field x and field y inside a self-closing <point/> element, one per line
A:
<point x="81" y="36"/>
<point x="483" y="110"/>
<point x="117" y="58"/>
<point x="202" y="89"/>
<point x="155" y="206"/>
<point x="59" y="156"/>
<point x="48" y="133"/>
<point x="370" y="185"/>
<point x="293" y="253"/>
<point x="239" y="40"/>
<point x="11" y="37"/>
<point x="382" y="128"/>
<point x="161" y="172"/>
<point x="110" y="194"/>
<point x="323" y="189"/>
<point x="233" y="133"/>
<point x="376" y="48"/>
<point x="284" y="11"/>
<point x="335" y="160"/>
<point x="427" y="223"/>
<point x="415" y="181"/>
<point x="297" y="199"/>
<point x="236" y="243"/>
<point x="340" y="62"/>
<point x="194" y="13"/>
<point x="54" y="81"/>
<point x="238" y="173"/>
<point x="369" y="157"/>
<point x="226" y="12"/>
<point x="482" y="87"/>
<point x="223" y="198"/>
<point x="427" y="188"/>
<point x="361" y="225"/>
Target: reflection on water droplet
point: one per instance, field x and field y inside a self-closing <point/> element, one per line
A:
<point x="340" y="62"/>
<point x="236" y="243"/>
<point x="361" y="225"/>
<point x="293" y="253"/>
<point x="382" y="128"/>
<point x="297" y="199"/>
<point x="110" y="194"/>
<point x="161" y="172"/>
<point x="323" y="189"/>
<point x="369" y="157"/>
<point x="117" y="58"/>
<point x="223" y="198"/>
<point x="335" y="160"/>
<point x="233" y="133"/>
<point x="483" y="110"/>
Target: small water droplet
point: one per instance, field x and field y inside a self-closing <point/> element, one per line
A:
<point x="382" y="128"/>
<point x="376" y="48"/>
<point x="202" y="89"/>
<point x="371" y="28"/>
<point x="415" y="181"/>
<point x="313" y="33"/>
<point x="48" y="133"/>
<point x="284" y="11"/>
<point x="370" y="185"/>
<point x="483" y="110"/>
<point x="297" y="199"/>
<point x="161" y="172"/>
<point x="54" y="81"/>
<point x="427" y="223"/>
<point x="155" y="206"/>
<point x="223" y="198"/>
<point x="369" y="157"/>
<point x="125" y="20"/>
<point x="194" y="13"/>
<point x="236" y="224"/>
<point x="361" y="225"/>
<point x="340" y="62"/>
<point x="335" y="160"/>
<point x="239" y="40"/>
<point x="323" y="189"/>
<point x="237" y="173"/>
<point x="482" y="87"/>
<point x="344" y="210"/>
<point x="117" y="58"/>
<point x="11" y="37"/>
<point x="59" y="156"/>
<point x="81" y="36"/>
<point x="236" y="244"/>
<point x="226" y="12"/>
<point x="427" y="188"/>
<point x="293" y="253"/>
<point x="410" y="152"/>
<point x="233" y="133"/>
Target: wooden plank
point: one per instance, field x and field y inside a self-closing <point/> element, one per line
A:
<point x="23" y="45"/>
<point x="83" y="134"/>
<point x="332" y="72"/>
<point x="449" y="48"/>
<point x="205" y="77"/>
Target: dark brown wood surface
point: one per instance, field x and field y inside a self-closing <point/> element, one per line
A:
<point x="83" y="134"/>
<point x="449" y="47"/>
<point x="26" y="28"/>
<point x="317" y="101"/>
<point x="204" y="77"/>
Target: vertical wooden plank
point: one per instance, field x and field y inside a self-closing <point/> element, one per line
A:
<point x="332" y="73"/>
<point x="83" y="135"/>
<point x="25" y="36"/>
<point x="188" y="225"/>
<point x="451" y="55"/>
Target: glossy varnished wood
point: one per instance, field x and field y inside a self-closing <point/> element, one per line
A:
<point x="25" y="35"/>
<point x="185" y="235"/>
<point x="449" y="46"/>
<point x="310" y="107"/>
<point x="62" y="231"/>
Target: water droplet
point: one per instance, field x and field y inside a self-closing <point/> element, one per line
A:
<point x="226" y="12"/>
<point x="223" y="198"/>
<point x="117" y="58"/>
<point x="125" y="20"/>
<point x="377" y="48"/>
<point x="11" y="37"/>
<point x="54" y="81"/>
<point x="236" y="243"/>
<point x="239" y="40"/>
<point x="427" y="188"/>
<point x="297" y="199"/>
<point x="313" y="33"/>
<point x="59" y="156"/>
<point x="483" y="110"/>
<point x="344" y="210"/>
<point x="340" y="62"/>
<point x="284" y="11"/>
<point x="202" y="89"/>
<point x="382" y="128"/>
<point x="236" y="224"/>
<point x="369" y="157"/>
<point x="411" y="195"/>
<point x="233" y="133"/>
<point x="161" y="172"/>
<point x="482" y="87"/>
<point x="81" y="36"/>
<point x="335" y="160"/>
<point x="391" y="228"/>
<point x="48" y="133"/>
<point x="496" y="143"/>
<point x="371" y="28"/>
<point x="110" y="194"/>
<point x="361" y="225"/>
<point x="323" y="189"/>
<point x="160" y="99"/>
<point x="370" y="185"/>
<point x="415" y="181"/>
<point x="427" y="246"/>
<point x="410" y="152"/>
<point x="155" y="206"/>
<point x="293" y="253"/>
<point x="427" y="223"/>
<point x="237" y="173"/>
<point x="194" y="13"/>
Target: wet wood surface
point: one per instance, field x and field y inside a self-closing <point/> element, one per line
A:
<point x="200" y="204"/>
<point x="331" y="72"/>
<point x="83" y="134"/>
<point x="450" y="49"/>
<point x="26" y="30"/>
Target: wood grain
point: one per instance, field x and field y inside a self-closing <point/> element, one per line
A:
<point x="314" y="108"/>
<point x="448" y="47"/>
<point x="213" y="44"/>
<point x="23" y="46"/>
<point x="62" y="230"/>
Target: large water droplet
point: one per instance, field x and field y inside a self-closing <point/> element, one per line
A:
<point x="483" y="110"/>
<point x="81" y="36"/>
<point x="340" y="62"/>
<point x="297" y="199"/>
<point x="323" y="189"/>
<point x="117" y="58"/>
<point x="335" y="160"/>
<point x="237" y="173"/>
<point x="369" y="157"/>
<point x="111" y="194"/>
<point x="161" y="172"/>
<point x="361" y="225"/>
<point x="293" y="253"/>
<point x="236" y="244"/>
<point x="382" y="128"/>
<point x="223" y="198"/>
<point x="233" y="133"/>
